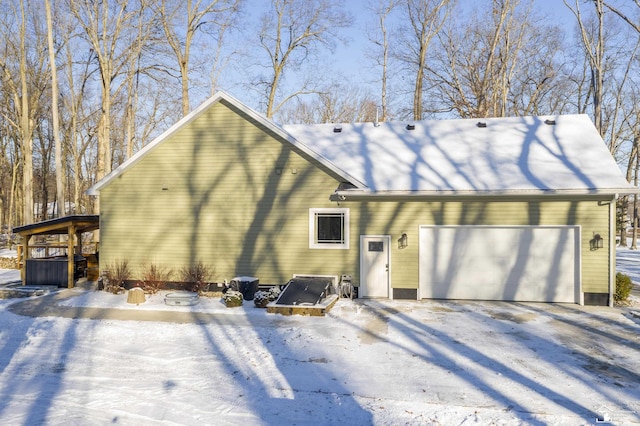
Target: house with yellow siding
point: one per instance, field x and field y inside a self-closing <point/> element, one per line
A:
<point x="515" y="209"/>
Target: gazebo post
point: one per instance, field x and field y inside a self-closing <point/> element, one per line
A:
<point x="71" y="231"/>
<point x="78" y="235"/>
<point x="25" y="256"/>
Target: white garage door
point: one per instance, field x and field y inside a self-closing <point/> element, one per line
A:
<point x="515" y="263"/>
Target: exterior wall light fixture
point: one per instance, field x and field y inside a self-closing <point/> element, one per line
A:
<point x="596" y="243"/>
<point x="403" y="241"/>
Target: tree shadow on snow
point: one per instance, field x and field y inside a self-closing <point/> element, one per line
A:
<point x="32" y="371"/>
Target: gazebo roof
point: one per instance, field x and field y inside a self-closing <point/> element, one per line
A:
<point x="81" y="223"/>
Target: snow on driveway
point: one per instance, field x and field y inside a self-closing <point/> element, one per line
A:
<point x="367" y="362"/>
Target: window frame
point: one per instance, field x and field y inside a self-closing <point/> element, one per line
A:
<point x="313" y="231"/>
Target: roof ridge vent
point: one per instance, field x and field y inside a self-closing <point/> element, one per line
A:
<point x="411" y="126"/>
<point x="481" y="124"/>
<point x="337" y="129"/>
<point x="550" y="122"/>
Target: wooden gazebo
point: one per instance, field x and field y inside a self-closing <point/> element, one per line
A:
<point x="73" y="226"/>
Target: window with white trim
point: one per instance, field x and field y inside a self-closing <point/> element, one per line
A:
<point x="329" y="228"/>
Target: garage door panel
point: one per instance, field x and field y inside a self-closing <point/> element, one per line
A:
<point x="500" y="263"/>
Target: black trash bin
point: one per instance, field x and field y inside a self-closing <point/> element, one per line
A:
<point x="245" y="285"/>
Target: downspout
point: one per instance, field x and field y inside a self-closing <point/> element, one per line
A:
<point x="612" y="248"/>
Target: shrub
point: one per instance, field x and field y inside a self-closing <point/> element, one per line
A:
<point x="197" y="275"/>
<point x="262" y="298"/>
<point x="154" y="276"/>
<point x="114" y="276"/>
<point x="232" y="298"/>
<point x="274" y="292"/>
<point x="623" y="287"/>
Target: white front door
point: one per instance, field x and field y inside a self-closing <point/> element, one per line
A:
<point x="374" y="266"/>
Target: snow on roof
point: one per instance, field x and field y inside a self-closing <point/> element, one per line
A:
<point x="504" y="155"/>
<point x="520" y="154"/>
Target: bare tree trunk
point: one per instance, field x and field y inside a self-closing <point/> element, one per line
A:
<point x="25" y="125"/>
<point x="384" y="44"/>
<point x="54" y="111"/>
<point x="133" y="76"/>
<point x="12" y="198"/>
<point x="624" y="200"/>
<point x="104" y="33"/>
<point x="291" y="33"/>
<point x="595" y="54"/>
<point x="636" y="203"/>
<point x="426" y="19"/>
<point x="181" y="39"/>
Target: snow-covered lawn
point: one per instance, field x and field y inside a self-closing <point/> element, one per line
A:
<point x="9" y="275"/>
<point x="367" y="362"/>
<point x="628" y="262"/>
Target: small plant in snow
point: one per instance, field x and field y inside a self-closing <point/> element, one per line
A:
<point x="154" y="276"/>
<point x="262" y="298"/>
<point x="197" y="275"/>
<point x="232" y="298"/>
<point x="115" y="275"/>
<point x="623" y="288"/>
<point x="274" y="292"/>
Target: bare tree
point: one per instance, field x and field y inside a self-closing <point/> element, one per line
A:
<point x="501" y="62"/>
<point x="426" y="18"/>
<point x="338" y="103"/>
<point x="105" y="25"/>
<point x="594" y="47"/>
<point x="380" y="38"/>
<point x="623" y="15"/>
<point x="636" y="179"/>
<point x="54" y="112"/>
<point x="26" y="129"/>
<point x="22" y="102"/>
<point x="181" y="20"/>
<point x="78" y="128"/>
<point x="292" y="32"/>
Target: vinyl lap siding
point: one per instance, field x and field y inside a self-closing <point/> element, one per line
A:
<point x="395" y="218"/>
<point x="212" y="192"/>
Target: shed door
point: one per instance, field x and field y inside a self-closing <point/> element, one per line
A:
<point x="515" y="263"/>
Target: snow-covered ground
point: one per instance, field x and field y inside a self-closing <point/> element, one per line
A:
<point x="628" y="262"/>
<point x="366" y="362"/>
<point x="9" y="275"/>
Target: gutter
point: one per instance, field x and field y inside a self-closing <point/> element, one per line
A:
<point x="354" y="194"/>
